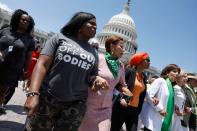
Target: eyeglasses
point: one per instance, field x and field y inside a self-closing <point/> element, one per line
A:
<point x="147" y="60"/>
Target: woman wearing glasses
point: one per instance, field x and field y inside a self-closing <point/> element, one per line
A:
<point x="136" y="82"/>
<point x="99" y="104"/>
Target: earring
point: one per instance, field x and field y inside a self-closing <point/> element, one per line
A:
<point x="112" y="51"/>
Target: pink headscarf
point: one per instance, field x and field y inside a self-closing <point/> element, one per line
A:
<point x="138" y="58"/>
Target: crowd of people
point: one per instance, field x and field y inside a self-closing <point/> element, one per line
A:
<point x="73" y="87"/>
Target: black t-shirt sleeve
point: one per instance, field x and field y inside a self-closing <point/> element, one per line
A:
<point x="31" y="45"/>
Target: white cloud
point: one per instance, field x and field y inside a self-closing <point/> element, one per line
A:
<point x="5" y="7"/>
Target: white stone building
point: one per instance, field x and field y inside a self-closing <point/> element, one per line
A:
<point x="123" y="25"/>
<point x="5" y="17"/>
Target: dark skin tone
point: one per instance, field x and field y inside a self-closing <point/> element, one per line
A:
<point x="44" y="62"/>
<point x="23" y="24"/>
<point x="22" y="27"/>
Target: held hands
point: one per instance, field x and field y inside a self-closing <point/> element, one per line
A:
<point x="177" y="111"/>
<point x="100" y="83"/>
<point x="123" y="102"/>
<point x="187" y="110"/>
<point x="163" y="113"/>
<point x="127" y="92"/>
<point x="126" y="96"/>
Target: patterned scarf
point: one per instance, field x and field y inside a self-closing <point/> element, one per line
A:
<point x="170" y="108"/>
<point x="113" y="64"/>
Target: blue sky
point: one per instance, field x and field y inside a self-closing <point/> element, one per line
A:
<point x="166" y="29"/>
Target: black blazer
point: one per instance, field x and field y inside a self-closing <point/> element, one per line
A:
<point x="130" y="75"/>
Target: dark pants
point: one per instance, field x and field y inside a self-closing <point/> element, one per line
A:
<point x="3" y="90"/>
<point x="53" y="115"/>
<point x="121" y="114"/>
<point x="8" y="95"/>
<point x="193" y="122"/>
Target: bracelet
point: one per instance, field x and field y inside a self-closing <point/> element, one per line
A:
<point x="32" y="93"/>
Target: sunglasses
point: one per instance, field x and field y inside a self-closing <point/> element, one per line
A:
<point x="147" y="60"/>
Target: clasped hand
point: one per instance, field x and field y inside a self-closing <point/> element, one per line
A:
<point x="99" y="83"/>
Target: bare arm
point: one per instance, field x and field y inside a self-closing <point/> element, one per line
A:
<point x="42" y="66"/>
<point x="39" y="72"/>
<point x="126" y="91"/>
<point x="99" y="83"/>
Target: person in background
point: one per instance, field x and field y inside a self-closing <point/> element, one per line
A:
<point x="179" y="102"/>
<point x="16" y="45"/>
<point x="136" y="82"/>
<point x="158" y="117"/>
<point x="94" y="42"/>
<point x="190" y="119"/>
<point x="99" y="104"/>
<point x="2" y="107"/>
<point x="66" y="68"/>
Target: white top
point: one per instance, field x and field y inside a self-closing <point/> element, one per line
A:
<point x="179" y="98"/>
<point x="179" y="101"/>
<point x="150" y="114"/>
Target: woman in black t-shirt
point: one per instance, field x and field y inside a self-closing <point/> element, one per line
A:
<point x="16" y="45"/>
<point x="67" y="66"/>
